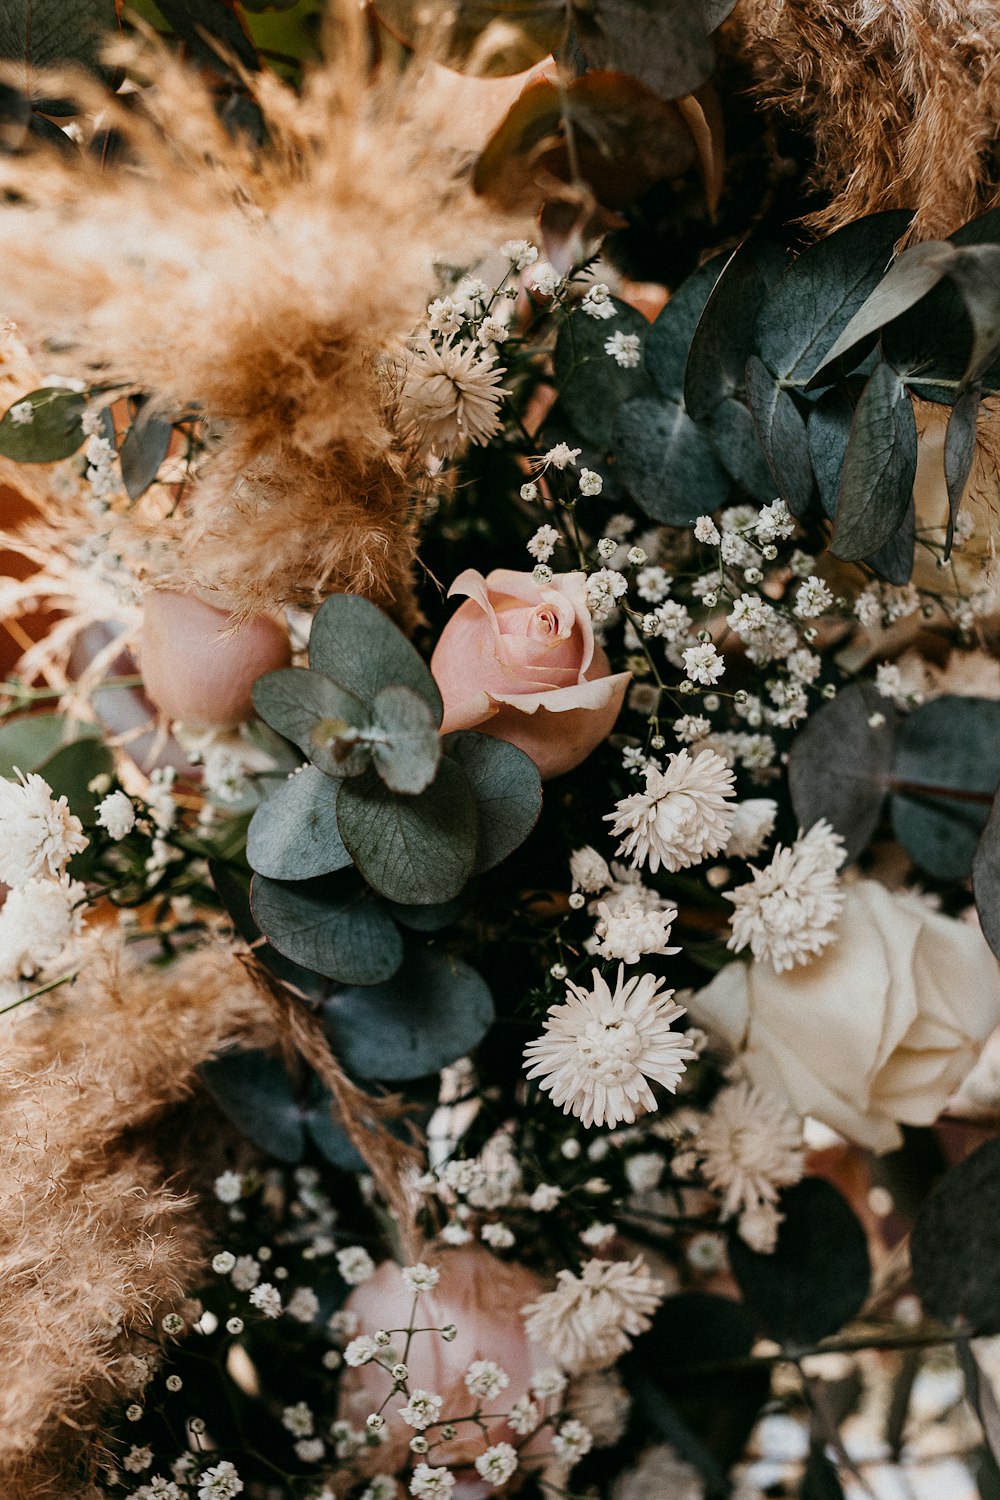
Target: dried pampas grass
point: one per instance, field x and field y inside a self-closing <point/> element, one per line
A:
<point x="94" y="1247"/>
<point x="902" y="97"/>
<point x="269" y="289"/>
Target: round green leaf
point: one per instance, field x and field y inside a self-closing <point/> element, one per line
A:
<point x="255" y="1094"/>
<point x="507" y="788"/>
<point x="955" y="1244"/>
<point x="592" y="385"/>
<point x="839" y="765"/>
<point x="876" y="482"/>
<point x="724" y="338"/>
<point x="667" y="463"/>
<point x="360" y="648"/>
<point x="434" y="1010"/>
<point x="738" y="449"/>
<point x="334" y="926"/>
<point x="54" y="432"/>
<point x="294" y="834"/>
<point x="782" y="434"/>
<point x="27" y="741"/>
<point x="70" y="771"/>
<point x="415" y="850"/>
<point x="310" y="710"/>
<point x="668" y="341"/>
<point x="951" y="743"/>
<point x="408" y="756"/>
<point x="986" y="878"/>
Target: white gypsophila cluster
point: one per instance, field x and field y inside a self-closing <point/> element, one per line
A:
<point x="545" y="279"/>
<point x="355" y="1264"/>
<point x="753" y="824"/>
<point x="221" y="1482"/>
<point x="750" y="1146"/>
<point x="630" y="931"/>
<point x="588" y="1321"/>
<point x="543" y="543"/>
<point x="597" y="302"/>
<point x="882" y="604"/>
<point x="600" y="1048"/>
<point x="703" y="664"/>
<point x="766" y="633"/>
<point x="681" y="818"/>
<point x="603" y="590"/>
<point x="786" y="913"/>
<point x="102" y="475"/>
<point x="520" y="253"/>
<point x="812" y="597"/>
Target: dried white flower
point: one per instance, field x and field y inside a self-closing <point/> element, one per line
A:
<point x="589" y="1320"/>
<point x="38" y="834"/>
<point x="750" y="1146"/>
<point x="682" y="816"/>
<point x="786" y="913"/>
<point x="597" y="302"/>
<point x="422" y="1409"/>
<point x="625" y="349"/>
<point x="451" y="394"/>
<point x="630" y="931"/>
<point x="753" y="824"/>
<point x="497" y="1464"/>
<point x="485" y="1379"/>
<point x="37" y="923"/>
<point x="116" y="814"/>
<point x="355" y="1264"/>
<point x="589" y="870"/>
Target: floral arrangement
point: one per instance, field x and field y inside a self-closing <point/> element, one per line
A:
<point x="499" y="956"/>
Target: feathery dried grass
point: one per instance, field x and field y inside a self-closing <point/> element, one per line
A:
<point x="266" y="288"/>
<point x="902" y="97"/>
<point x="94" y="1247"/>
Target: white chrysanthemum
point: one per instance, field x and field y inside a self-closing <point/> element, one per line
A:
<point x="589" y="870"/>
<point x="600" y="1049"/>
<point x="753" y="824"/>
<point x="786" y="913"/>
<point x="452" y="394"/>
<point x="629" y="931"/>
<point x="589" y="1320"/>
<point x="37" y="922"/>
<point x="38" y="835"/>
<point x="116" y="814"/>
<point x="682" y="817"/>
<point x="750" y="1146"/>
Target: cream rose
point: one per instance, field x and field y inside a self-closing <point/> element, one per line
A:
<point x="880" y="1029"/>
<point x="518" y="660"/>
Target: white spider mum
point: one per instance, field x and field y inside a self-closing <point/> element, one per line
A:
<point x="451" y="394"/>
<point x="38" y="835"/>
<point x="599" y="1050"/>
<point x="786" y="913"/>
<point x="682" y="817"/>
<point x="589" y="1320"/>
<point x="750" y="1146"/>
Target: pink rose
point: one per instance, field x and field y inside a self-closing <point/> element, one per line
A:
<point x="199" y="665"/>
<point x="518" y="660"/>
<point x="482" y="1296"/>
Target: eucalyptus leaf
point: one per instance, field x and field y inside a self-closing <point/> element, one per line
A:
<point x="70" y="770"/>
<point x="986" y="878"/>
<point x="955" y="1242"/>
<point x="876" y="482"/>
<point x="817" y="1277"/>
<point x="668" y="464"/>
<point x="408" y="756"/>
<point x="668" y="340"/>
<point x="724" y="338"/>
<point x="434" y="1010"/>
<point x="782" y="434"/>
<point x="416" y="850"/>
<point x="255" y="1093"/>
<point x="959" y="452"/>
<point x="907" y="282"/>
<point x="54" y="432"/>
<point x="507" y="788"/>
<point x="143" y="450"/>
<point x="816" y="298"/>
<point x="738" y="449"/>
<point x="664" y="46"/>
<point x="293" y="835"/>
<point x="951" y="744"/>
<point x="360" y="648"/>
<point x="25" y="742"/>
<point x="333" y="926"/>
<point x="43" y="33"/>
<point x="312" y="711"/>
<point x="232" y="886"/>
<point x="975" y="270"/>
<point x="840" y="762"/>
<point x="592" y="385"/>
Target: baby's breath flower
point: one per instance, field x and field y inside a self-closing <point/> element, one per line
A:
<point x="572" y="1441"/>
<point x="485" y="1378"/>
<point x="705" y="530"/>
<point x="597" y="302"/>
<point x="520" y="253"/>
<point x="355" y="1264"/>
<point x="497" y="1464"/>
<point x="545" y="279"/>
<point x="543" y="543"/>
<point x="624" y="349"/>
<point x="421" y="1277"/>
<point x="38" y="833"/>
<point x="267" y="1300"/>
<point x="590" y="482"/>
<point x="431" y="1484"/>
<point x="116" y="814"/>
<point x="422" y="1409"/>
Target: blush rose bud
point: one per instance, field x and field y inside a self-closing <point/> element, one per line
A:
<point x="518" y="660"/>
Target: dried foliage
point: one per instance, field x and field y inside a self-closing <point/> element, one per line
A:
<point x="269" y="288"/>
<point x="94" y="1246"/>
<point x="902" y="97"/>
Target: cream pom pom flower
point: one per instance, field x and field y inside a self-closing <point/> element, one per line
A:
<point x="451" y="395"/>
<point x="682" y="816"/>
<point x="600" y="1049"/>
<point x="750" y="1146"/>
<point x="786" y="913"/>
<point x="589" y="1320"/>
<point x="38" y="834"/>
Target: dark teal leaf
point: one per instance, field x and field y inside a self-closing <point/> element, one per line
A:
<point x="592" y="385"/>
<point x="818" y="1276"/>
<point x="819" y="294"/>
<point x="55" y="431"/>
<point x="143" y="450"/>
<point x="26" y="742"/>
<point x="408" y="756"/>
<point x="738" y="449"/>
<point x="333" y="926"/>
<point x="311" y="711"/>
<point x="876" y="483"/>
<point x="724" y="338"/>
<point x="43" y="33"/>
<point x="955" y="1243"/>
<point x="360" y="648"/>
<point x="667" y="463"/>
<point x="507" y="788"/>
<point x="232" y="886"/>
<point x="839" y="765"/>
<point x="952" y="744"/>
<point x="819" y="1477"/>
<point x="975" y="270"/>
<point x="203" y="23"/>
<point x="415" y="850"/>
<point x="428" y="918"/>
<point x="434" y="1010"/>
<point x="782" y="435"/>
<point x="907" y="281"/>
<point x="71" y="769"/>
<point x="255" y="1094"/>
<point x="959" y="452"/>
<point x="668" y="340"/>
<point x="986" y="878"/>
<point x="293" y="835"/>
<point x="666" y="47"/>
<point x="980" y="1394"/>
